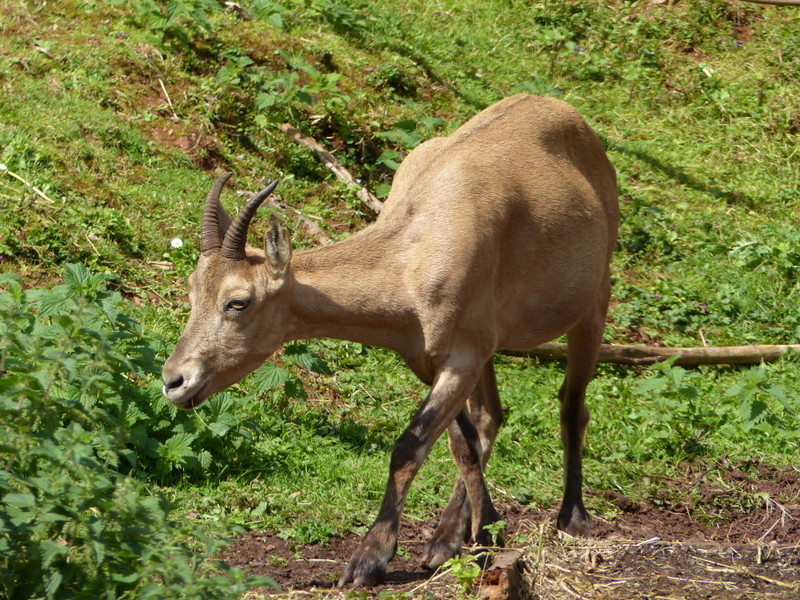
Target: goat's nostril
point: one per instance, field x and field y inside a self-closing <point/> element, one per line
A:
<point x="174" y="383"/>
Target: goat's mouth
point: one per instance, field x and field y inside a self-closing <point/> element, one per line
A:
<point x="193" y="401"/>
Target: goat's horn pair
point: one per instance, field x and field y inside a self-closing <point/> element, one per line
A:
<point x="236" y="236"/>
<point x="235" y="233"/>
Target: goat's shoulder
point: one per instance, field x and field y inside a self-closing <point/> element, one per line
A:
<point x="412" y="168"/>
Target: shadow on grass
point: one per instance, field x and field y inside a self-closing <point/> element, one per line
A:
<point x="683" y="178"/>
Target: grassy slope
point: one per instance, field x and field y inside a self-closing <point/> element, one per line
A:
<point x="702" y="128"/>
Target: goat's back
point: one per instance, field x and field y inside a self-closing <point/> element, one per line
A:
<point x="507" y="224"/>
<point x="523" y="144"/>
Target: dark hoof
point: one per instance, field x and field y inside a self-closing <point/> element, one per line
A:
<point x="492" y="535"/>
<point x="575" y="524"/>
<point x="363" y="572"/>
<point x="439" y="551"/>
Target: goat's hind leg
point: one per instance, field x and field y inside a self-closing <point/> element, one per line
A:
<point x="583" y="344"/>
<point x="475" y="429"/>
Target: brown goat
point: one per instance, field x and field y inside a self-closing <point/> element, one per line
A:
<point x="496" y="237"/>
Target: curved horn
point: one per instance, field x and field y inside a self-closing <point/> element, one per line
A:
<point x="235" y="238"/>
<point x="210" y="230"/>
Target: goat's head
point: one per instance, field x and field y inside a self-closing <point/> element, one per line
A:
<point x="234" y="294"/>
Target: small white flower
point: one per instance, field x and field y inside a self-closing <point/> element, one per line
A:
<point x="3" y="167"/>
<point x="176" y="243"/>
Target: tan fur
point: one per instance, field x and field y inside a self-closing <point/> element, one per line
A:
<point x="496" y="237"/>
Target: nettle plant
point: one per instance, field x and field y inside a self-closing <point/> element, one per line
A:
<point x="74" y="391"/>
<point x="684" y="418"/>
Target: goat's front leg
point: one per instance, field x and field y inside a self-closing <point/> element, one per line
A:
<point x="486" y="414"/>
<point x="444" y="401"/>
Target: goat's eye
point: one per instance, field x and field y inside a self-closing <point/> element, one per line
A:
<point x="237" y="305"/>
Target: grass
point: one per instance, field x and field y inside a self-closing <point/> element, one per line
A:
<point x="121" y="113"/>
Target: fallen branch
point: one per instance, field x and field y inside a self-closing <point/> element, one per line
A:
<point x="648" y="355"/>
<point x="334" y="166"/>
<point x="310" y="229"/>
<point x="777" y="2"/>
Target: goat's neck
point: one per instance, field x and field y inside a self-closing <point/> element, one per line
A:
<point x="352" y="291"/>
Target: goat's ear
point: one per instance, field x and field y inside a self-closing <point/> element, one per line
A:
<point x="278" y="246"/>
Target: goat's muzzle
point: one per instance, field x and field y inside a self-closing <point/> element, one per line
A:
<point x="182" y="392"/>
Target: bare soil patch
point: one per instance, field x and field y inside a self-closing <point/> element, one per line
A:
<point x="701" y="548"/>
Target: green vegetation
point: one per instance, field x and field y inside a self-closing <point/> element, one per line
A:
<point x="115" y="117"/>
<point x="82" y="424"/>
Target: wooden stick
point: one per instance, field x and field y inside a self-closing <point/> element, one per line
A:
<point x="648" y="355"/>
<point x="777" y="2"/>
<point x="334" y="166"/>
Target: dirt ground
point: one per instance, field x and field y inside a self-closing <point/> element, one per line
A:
<point x="654" y="551"/>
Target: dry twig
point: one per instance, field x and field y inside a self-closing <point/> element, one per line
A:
<point x="334" y="166"/>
